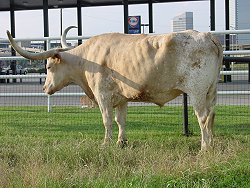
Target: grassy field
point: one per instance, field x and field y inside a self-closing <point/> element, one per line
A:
<point x="62" y="149"/>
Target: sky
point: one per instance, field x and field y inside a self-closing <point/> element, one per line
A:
<point x="97" y="20"/>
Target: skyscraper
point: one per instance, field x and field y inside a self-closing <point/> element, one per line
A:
<point x="239" y="18"/>
<point x="183" y="22"/>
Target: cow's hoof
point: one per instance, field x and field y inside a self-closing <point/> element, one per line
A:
<point x="122" y="143"/>
<point x="106" y="143"/>
<point x="103" y="146"/>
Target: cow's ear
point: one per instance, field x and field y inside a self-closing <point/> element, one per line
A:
<point x="56" y="58"/>
<point x="57" y="55"/>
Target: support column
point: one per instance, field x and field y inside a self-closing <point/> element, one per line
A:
<point x="212" y="15"/>
<point x="79" y="20"/>
<point x="13" y="33"/>
<point x="45" y="25"/>
<point x="150" y="16"/>
<point x="45" y="21"/>
<point x="227" y="78"/>
<point x="125" y="17"/>
<point x="12" y="25"/>
<point x="61" y="21"/>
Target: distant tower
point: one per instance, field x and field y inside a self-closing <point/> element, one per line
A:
<point x="239" y="18"/>
<point x="183" y="22"/>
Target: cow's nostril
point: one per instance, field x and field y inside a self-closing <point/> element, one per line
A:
<point x="44" y="87"/>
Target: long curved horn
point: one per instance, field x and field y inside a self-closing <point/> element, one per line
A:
<point x="63" y="37"/>
<point x="33" y="56"/>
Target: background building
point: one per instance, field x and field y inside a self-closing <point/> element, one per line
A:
<point x="183" y="22"/>
<point x="239" y="19"/>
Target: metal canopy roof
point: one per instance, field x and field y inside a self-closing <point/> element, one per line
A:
<point x="7" y="5"/>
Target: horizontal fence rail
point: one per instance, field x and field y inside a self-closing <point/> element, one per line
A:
<point x="47" y="38"/>
<point x="232" y="52"/>
<point x="23" y="76"/>
<point x="242" y="31"/>
<point x="233" y="92"/>
<point x="41" y="95"/>
<point x="241" y="72"/>
<point x="15" y="58"/>
<point x="236" y="52"/>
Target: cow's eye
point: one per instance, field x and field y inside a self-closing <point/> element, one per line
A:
<point x="48" y="68"/>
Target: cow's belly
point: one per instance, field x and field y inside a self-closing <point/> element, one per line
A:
<point x="162" y="98"/>
<point x="153" y="96"/>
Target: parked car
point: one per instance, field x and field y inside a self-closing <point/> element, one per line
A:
<point x="19" y="70"/>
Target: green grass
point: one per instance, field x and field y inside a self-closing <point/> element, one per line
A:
<point x="63" y="149"/>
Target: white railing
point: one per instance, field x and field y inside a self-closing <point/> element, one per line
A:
<point x="47" y="39"/>
<point x="242" y="31"/>
<point x="236" y="52"/>
<point x="242" y="72"/>
<point x="23" y="76"/>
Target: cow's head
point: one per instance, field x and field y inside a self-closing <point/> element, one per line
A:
<point x="57" y="74"/>
<point x="57" y="69"/>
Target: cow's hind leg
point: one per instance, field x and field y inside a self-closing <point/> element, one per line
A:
<point x="120" y="118"/>
<point x="204" y="110"/>
<point x="206" y="121"/>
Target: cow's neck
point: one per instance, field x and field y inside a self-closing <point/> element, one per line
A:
<point x="75" y="62"/>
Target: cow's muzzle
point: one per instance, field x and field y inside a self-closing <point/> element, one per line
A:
<point x="48" y="90"/>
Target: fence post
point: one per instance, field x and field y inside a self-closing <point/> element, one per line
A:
<point x="40" y="78"/>
<point x="248" y="72"/>
<point x="48" y="45"/>
<point x="185" y="115"/>
<point x="49" y="104"/>
<point x="20" y="77"/>
<point x="7" y="73"/>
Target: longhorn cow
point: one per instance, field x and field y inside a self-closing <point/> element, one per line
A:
<point x="113" y="69"/>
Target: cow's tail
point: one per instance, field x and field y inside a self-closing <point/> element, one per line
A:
<point x="219" y="48"/>
<point x="212" y="93"/>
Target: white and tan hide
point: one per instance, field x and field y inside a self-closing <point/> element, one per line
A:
<point x="113" y="69"/>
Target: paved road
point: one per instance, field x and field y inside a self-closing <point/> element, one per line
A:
<point x="33" y="86"/>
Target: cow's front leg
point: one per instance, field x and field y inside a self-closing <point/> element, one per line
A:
<point x="106" y="110"/>
<point x="120" y="118"/>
